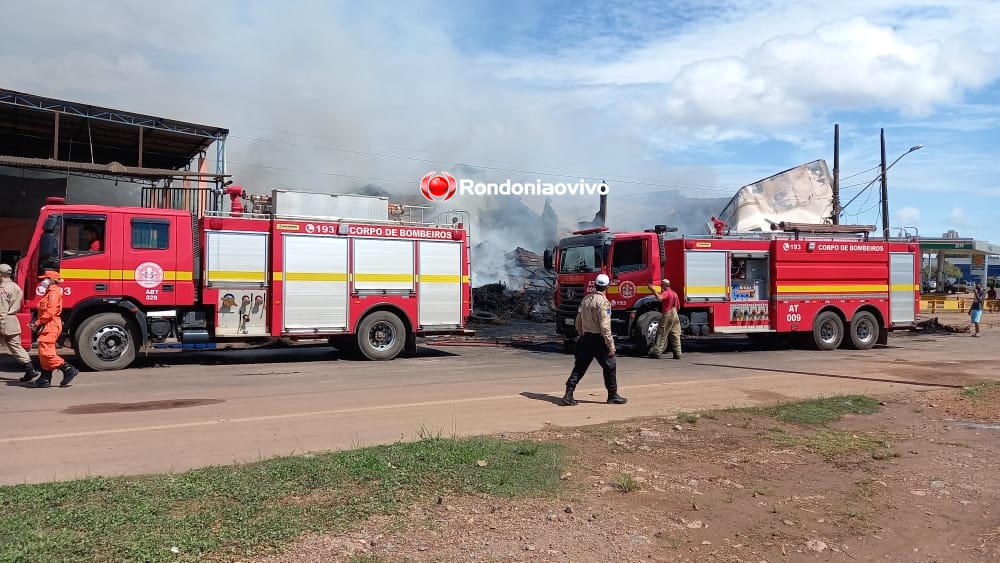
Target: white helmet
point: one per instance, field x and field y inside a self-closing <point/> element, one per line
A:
<point x="603" y="280"/>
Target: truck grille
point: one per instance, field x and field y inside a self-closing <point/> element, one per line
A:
<point x="570" y="297"/>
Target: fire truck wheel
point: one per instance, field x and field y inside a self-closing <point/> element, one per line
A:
<point x="828" y="331"/>
<point x="105" y="342"/>
<point x="864" y="331"/>
<point x="381" y="336"/>
<point x="644" y="335"/>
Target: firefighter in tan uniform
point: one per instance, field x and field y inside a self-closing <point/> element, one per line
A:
<point x="10" y="328"/>
<point x="593" y="324"/>
<point x="670" y="324"/>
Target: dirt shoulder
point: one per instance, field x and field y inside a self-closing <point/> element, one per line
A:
<point x="914" y="481"/>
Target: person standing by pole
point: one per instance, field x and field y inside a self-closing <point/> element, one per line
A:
<point x="49" y="323"/>
<point x="670" y="324"/>
<point x="593" y="324"/>
<point x="11" y="297"/>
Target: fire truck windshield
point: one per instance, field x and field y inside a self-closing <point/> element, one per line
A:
<point x="577" y="259"/>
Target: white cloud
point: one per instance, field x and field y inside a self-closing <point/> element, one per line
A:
<point x="908" y="216"/>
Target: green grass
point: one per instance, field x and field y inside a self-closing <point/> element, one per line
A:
<point x="231" y="512"/>
<point x="627" y="483"/>
<point x="822" y="411"/>
<point x="687" y="417"/>
<point x="832" y="443"/>
<point x="980" y="390"/>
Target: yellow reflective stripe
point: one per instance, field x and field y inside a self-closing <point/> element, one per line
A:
<point x="314" y="277"/>
<point x="237" y="276"/>
<point x="439" y="278"/>
<point x="904" y="287"/>
<point x="96" y="274"/>
<point x="465" y="279"/>
<point x="90" y="274"/>
<point x="383" y="277"/>
<point x="705" y="289"/>
<point x="842" y="288"/>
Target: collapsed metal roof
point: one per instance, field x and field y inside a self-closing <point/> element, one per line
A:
<point x="36" y="127"/>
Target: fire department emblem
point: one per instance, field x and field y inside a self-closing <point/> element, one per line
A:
<point x="149" y="275"/>
<point x="627" y="289"/>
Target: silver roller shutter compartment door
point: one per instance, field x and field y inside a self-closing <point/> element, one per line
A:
<point x="440" y="297"/>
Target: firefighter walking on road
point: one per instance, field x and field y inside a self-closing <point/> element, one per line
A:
<point x="49" y="323"/>
<point x="10" y="328"/>
<point x="593" y="324"/>
<point x="670" y="324"/>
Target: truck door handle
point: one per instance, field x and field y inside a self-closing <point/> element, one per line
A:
<point x="168" y="287"/>
<point x="100" y="287"/>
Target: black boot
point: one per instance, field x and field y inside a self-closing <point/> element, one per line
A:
<point x="29" y="373"/>
<point x="69" y="372"/>
<point x="615" y="399"/>
<point x="677" y="354"/>
<point x="568" y="399"/>
<point x="44" y="381"/>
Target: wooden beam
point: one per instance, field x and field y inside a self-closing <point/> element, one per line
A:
<point x="55" y="138"/>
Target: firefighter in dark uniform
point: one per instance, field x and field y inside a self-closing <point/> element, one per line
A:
<point x="593" y="324"/>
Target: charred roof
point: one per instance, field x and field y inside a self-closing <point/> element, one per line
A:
<point x="46" y="128"/>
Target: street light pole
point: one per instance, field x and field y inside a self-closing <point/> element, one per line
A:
<point x="885" y="191"/>
<point x="885" y="184"/>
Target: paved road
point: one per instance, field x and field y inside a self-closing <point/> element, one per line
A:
<point x="189" y="410"/>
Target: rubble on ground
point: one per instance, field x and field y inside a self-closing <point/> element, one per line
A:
<point x="525" y="293"/>
<point x="933" y="325"/>
<point x="496" y="299"/>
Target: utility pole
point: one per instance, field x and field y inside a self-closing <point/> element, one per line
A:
<point x="836" y="173"/>
<point x="885" y="193"/>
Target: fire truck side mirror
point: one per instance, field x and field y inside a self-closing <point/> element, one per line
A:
<point x="547" y="258"/>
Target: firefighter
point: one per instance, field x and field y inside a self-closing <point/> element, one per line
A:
<point x="49" y="325"/>
<point x="10" y="328"/>
<point x="593" y="324"/>
<point x="93" y="240"/>
<point x="719" y="225"/>
<point x="670" y="324"/>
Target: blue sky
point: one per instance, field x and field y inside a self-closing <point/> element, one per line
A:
<point x="708" y="96"/>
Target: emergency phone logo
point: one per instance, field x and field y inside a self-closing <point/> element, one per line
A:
<point x="438" y="187"/>
<point x="148" y="275"/>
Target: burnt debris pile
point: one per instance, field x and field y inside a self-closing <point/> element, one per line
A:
<point x="496" y="302"/>
<point x="935" y="326"/>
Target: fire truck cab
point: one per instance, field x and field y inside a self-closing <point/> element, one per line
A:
<point x="294" y="265"/>
<point x="827" y="285"/>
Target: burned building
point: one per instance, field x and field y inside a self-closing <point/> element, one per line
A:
<point x="92" y="154"/>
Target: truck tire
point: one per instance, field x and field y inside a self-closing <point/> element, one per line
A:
<point x="828" y="331"/>
<point x="644" y="335"/>
<point x="864" y="331"/>
<point x="106" y="342"/>
<point x="381" y="336"/>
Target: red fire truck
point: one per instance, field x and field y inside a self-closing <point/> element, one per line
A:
<point x="825" y="284"/>
<point x="300" y="266"/>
